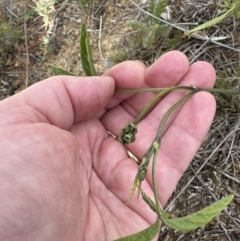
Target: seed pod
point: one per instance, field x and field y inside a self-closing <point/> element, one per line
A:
<point x="127" y="134"/>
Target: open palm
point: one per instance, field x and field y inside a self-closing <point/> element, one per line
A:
<point x="64" y="178"/>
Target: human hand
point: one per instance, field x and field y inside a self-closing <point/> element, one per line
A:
<point x="64" y="178"/>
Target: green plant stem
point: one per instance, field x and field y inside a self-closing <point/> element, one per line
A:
<point x="154" y="147"/>
<point x="170" y="111"/>
<point x="143" y="167"/>
<point x="211" y="90"/>
<point x="149" y="105"/>
<point x="157" y="143"/>
<point x="154" y="100"/>
<point x="126" y="91"/>
<point x="154" y="179"/>
<point x="224" y="91"/>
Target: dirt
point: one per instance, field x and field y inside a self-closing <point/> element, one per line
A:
<point x="108" y="33"/>
<point x="105" y="28"/>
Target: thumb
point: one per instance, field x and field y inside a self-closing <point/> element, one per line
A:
<point x="59" y="100"/>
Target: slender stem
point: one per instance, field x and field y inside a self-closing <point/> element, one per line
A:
<point x="142" y="169"/>
<point x="154" y="179"/>
<point x="170" y="111"/>
<point x="157" y="143"/>
<point x="154" y="100"/>
<point x="149" y="105"/>
<point x="211" y="90"/>
<point x="126" y="91"/>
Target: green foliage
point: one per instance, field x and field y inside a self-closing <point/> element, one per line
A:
<point x="137" y="26"/>
<point x="159" y="8"/>
<point x="118" y="55"/>
<point x="60" y="71"/>
<point x="86" y="53"/>
<point x="10" y="33"/>
<point x="230" y="8"/>
<point x="145" y="235"/>
<point x="147" y="35"/>
<point x="149" y="201"/>
<point x="151" y="6"/>
<point x="175" y="40"/>
<point x="85" y="5"/>
<point x="226" y="102"/>
<point x="152" y="36"/>
<point x="191" y="221"/>
<point x="183" y="224"/>
<point x="232" y="4"/>
<point x="151" y="31"/>
<point x="156" y="8"/>
<point x="11" y="36"/>
<point x="200" y="218"/>
<point x="86" y="56"/>
<point x="45" y="9"/>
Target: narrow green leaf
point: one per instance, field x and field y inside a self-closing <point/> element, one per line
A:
<point x="146" y="235"/>
<point x="159" y="8"/>
<point x="141" y="174"/>
<point x="86" y="53"/>
<point x="134" y="187"/>
<point x="213" y="21"/>
<point x="151" y="36"/>
<point x="151" y="5"/>
<point x="198" y="219"/>
<point x="135" y="25"/>
<point x="149" y="201"/>
<point x="59" y="71"/>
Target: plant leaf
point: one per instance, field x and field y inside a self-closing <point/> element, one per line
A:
<point x="59" y="71"/>
<point x="151" y="5"/>
<point x="213" y="21"/>
<point x="159" y="8"/>
<point x="134" y="187"/>
<point x="86" y="53"/>
<point x="135" y="25"/>
<point x="151" y="36"/>
<point x="146" y="235"/>
<point x="199" y="218"/>
<point x="149" y="201"/>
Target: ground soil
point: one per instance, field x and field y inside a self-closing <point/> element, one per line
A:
<point x="106" y="19"/>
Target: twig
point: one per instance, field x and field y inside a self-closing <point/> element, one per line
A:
<point x="203" y="45"/>
<point x="99" y="39"/>
<point x="101" y="4"/>
<point x="9" y="10"/>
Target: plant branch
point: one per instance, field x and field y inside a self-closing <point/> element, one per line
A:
<point x="157" y="143"/>
<point x="154" y="100"/>
<point x="211" y="90"/>
<point x="170" y="111"/>
<point x="126" y="91"/>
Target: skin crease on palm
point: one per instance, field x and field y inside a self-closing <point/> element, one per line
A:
<point x="64" y="178"/>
